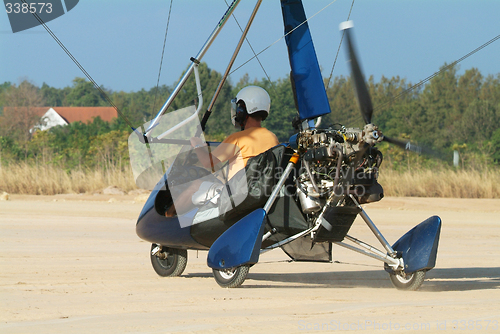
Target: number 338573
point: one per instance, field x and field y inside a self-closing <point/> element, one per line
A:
<point x="25" y="8"/>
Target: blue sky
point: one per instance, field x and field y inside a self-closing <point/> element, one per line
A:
<point x="120" y="42"/>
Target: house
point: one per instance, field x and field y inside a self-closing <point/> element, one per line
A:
<point x="65" y="115"/>
<point x="50" y="119"/>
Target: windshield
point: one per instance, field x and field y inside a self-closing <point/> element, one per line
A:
<point x="151" y="161"/>
<point x="193" y="175"/>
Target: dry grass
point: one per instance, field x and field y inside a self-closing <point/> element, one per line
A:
<point x="441" y="183"/>
<point x="50" y="180"/>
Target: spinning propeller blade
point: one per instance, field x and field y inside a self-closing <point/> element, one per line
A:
<point x="362" y="94"/>
<point x="408" y="146"/>
<point x="404" y="145"/>
<point x="364" y="99"/>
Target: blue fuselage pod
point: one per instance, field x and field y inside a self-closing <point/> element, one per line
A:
<point x="167" y="231"/>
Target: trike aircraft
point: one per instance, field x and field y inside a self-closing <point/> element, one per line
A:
<point x="301" y="196"/>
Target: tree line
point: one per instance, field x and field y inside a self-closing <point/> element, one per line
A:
<point x="451" y="112"/>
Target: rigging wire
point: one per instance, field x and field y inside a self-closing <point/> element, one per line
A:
<point x="437" y="73"/>
<point x="406" y="91"/>
<point x="279" y="39"/>
<point x="161" y="61"/>
<point x="101" y="91"/>
<point x="250" y="45"/>
<point x="338" y="50"/>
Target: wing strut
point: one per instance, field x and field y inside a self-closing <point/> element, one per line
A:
<point x="198" y="57"/>
<point x="229" y="66"/>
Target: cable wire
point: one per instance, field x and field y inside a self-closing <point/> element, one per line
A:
<point x="279" y="39"/>
<point x="406" y="91"/>
<point x="437" y="73"/>
<point x="338" y="50"/>
<point x="161" y="61"/>
<point x="250" y="45"/>
<point x="101" y="91"/>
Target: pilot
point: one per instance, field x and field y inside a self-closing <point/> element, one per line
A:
<point x="248" y="110"/>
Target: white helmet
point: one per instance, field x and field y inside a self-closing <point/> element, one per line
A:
<point x="255" y="99"/>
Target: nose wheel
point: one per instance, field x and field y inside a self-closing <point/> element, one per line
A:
<point x="168" y="262"/>
<point x="410" y="282"/>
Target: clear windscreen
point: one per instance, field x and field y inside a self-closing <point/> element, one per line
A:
<point x="202" y="177"/>
<point x="151" y="161"/>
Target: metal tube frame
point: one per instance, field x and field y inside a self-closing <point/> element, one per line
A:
<point x="198" y="57"/>
<point x="293" y="237"/>
<point x="374" y="228"/>
<point x="200" y="104"/>
<point x="392" y="262"/>
<point x="367" y="246"/>
<point x="315" y="227"/>
<point x="274" y="194"/>
<point x="389" y="257"/>
<point x="277" y="188"/>
<point x="231" y="62"/>
<point x="285" y="241"/>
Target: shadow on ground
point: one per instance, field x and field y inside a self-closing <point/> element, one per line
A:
<point x="438" y="279"/>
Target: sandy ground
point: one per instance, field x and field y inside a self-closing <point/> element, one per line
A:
<point x="73" y="264"/>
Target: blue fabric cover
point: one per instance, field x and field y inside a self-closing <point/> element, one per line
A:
<point x="310" y="89"/>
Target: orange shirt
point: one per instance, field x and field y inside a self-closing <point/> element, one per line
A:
<point x="238" y="147"/>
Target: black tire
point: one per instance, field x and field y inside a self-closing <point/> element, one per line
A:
<point x="409" y="282"/>
<point x="169" y="262"/>
<point x="231" y="278"/>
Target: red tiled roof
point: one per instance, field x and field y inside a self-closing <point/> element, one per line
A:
<point x="75" y="114"/>
<point x="86" y="114"/>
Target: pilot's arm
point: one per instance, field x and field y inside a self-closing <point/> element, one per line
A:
<point x="224" y="152"/>
<point x="208" y="160"/>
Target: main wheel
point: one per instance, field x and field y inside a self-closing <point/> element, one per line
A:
<point x="231" y="278"/>
<point x="411" y="282"/>
<point x="169" y="262"/>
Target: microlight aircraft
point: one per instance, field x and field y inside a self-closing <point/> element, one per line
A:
<point x="301" y="196"/>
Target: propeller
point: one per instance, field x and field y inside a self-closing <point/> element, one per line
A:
<point x="408" y="146"/>
<point x="363" y="96"/>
